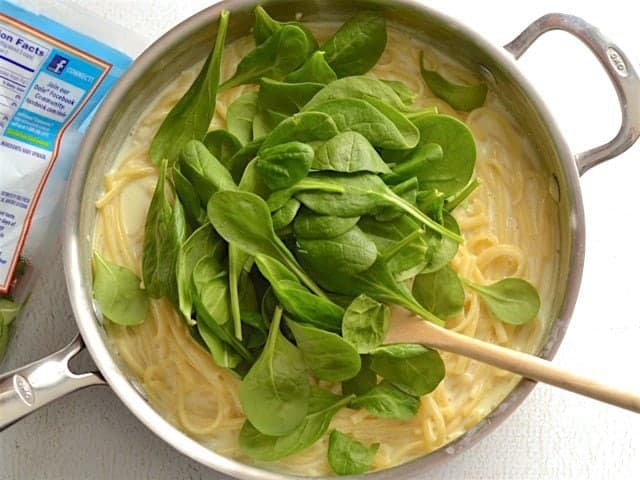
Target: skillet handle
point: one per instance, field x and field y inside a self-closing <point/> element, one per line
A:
<point x="26" y="389"/>
<point x="617" y="65"/>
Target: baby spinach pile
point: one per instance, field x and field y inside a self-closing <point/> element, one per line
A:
<point x="283" y="238"/>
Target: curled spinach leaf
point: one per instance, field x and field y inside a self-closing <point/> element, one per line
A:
<point x="460" y="97"/>
<point x="204" y="171"/>
<point x="285" y="215"/>
<point x="511" y="300"/>
<point x="202" y="242"/>
<point x="191" y="116"/>
<point x="348" y="456"/>
<point x="275" y="393"/>
<point x="222" y="144"/>
<point x="284" y="97"/>
<point x="315" y="70"/>
<point x="265" y="26"/>
<point x="327" y="355"/>
<point x="240" y="115"/>
<point x="164" y="232"/>
<point x="117" y="292"/>
<point x="281" y="53"/>
<point x="357" y="45"/>
<point x="223" y="355"/>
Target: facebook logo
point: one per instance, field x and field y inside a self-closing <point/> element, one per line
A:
<point x="57" y="64"/>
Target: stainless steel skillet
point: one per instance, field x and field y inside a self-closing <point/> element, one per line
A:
<point x="23" y="390"/>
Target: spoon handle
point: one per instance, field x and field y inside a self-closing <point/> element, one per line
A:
<point x="415" y="330"/>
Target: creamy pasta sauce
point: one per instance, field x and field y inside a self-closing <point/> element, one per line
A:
<point x="509" y="226"/>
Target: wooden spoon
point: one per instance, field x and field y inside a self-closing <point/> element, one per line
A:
<point x="411" y="329"/>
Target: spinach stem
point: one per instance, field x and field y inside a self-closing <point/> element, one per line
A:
<point x="388" y="253"/>
<point x="422" y="218"/>
<point x="452" y="202"/>
<point x="234" y="275"/>
<point x="274" y="329"/>
<point x="304" y="278"/>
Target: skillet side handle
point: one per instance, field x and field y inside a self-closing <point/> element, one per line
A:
<point x="26" y="389"/>
<point x="617" y="65"/>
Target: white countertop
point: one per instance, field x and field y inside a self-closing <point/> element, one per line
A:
<point x="553" y="435"/>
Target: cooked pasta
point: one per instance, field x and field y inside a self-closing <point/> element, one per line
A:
<point x="509" y="229"/>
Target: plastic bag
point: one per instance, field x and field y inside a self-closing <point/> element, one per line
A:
<point x="57" y="63"/>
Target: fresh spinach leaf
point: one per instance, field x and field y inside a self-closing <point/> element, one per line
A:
<point x="202" y="242"/>
<point x="278" y="199"/>
<point x="311" y="226"/>
<point x="348" y="456"/>
<point x="204" y="171"/>
<point x="164" y="232"/>
<point x="323" y="406"/>
<point x="349" y="152"/>
<point x="189" y="199"/>
<point x="240" y="161"/>
<point x="191" y="116"/>
<point x="281" y="53"/>
<point x="511" y="300"/>
<point x="441" y="249"/>
<point x="382" y="125"/>
<point x="412" y="368"/>
<point x="209" y="279"/>
<point x="275" y="393"/>
<point x="363" y="194"/>
<point x="117" y="292"/>
<point x="283" y="165"/>
<point x="253" y="230"/>
<point x="454" y="169"/>
<point x="265" y="26"/>
<point x="377" y="282"/>
<point x="284" y="216"/>
<point x="222" y="144"/>
<point x="315" y="70"/>
<point x="360" y="87"/>
<point x="240" y="115"/>
<point x="327" y="355"/>
<point x="350" y="252"/>
<point x="365" y="323"/>
<point x="407" y="191"/>
<point x="412" y="258"/>
<point x="296" y="299"/>
<point x="440" y="292"/>
<point x="223" y="355"/>
<point x="356" y="47"/>
<point x="284" y="97"/>
<point x="303" y="127"/>
<point x="415" y="164"/>
<point x="364" y="381"/>
<point x="386" y="401"/>
<point x="460" y="97"/>
<point x="407" y="95"/>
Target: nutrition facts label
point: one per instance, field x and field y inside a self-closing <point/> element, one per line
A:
<point x="43" y="85"/>
<point x="21" y="56"/>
